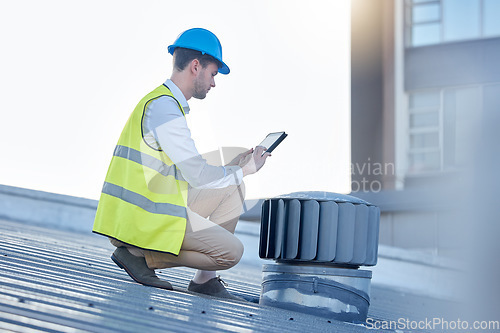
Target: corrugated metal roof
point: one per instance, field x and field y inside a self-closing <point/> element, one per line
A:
<point x="62" y="281"/>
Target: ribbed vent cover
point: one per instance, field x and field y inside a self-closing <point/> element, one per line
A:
<point x="320" y="227"/>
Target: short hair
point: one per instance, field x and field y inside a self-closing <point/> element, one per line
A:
<point x="183" y="56"/>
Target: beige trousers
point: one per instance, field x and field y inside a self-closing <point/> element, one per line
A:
<point x="209" y="242"/>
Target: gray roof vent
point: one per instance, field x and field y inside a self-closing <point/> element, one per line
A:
<point x="319" y="239"/>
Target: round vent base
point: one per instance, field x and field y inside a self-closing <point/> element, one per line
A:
<point x="336" y="293"/>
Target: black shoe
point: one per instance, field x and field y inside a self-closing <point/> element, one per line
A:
<point x="137" y="268"/>
<point x="213" y="287"/>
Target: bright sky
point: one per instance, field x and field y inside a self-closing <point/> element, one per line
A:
<point x="73" y="71"/>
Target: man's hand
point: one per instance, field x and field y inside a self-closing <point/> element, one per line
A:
<point x="240" y="159"/>
<point x="252" y="163"/>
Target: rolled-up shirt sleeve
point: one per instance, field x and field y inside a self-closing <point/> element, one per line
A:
<point x="165" y="124"/>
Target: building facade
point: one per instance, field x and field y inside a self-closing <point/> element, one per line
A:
<point x="424" y="75"/>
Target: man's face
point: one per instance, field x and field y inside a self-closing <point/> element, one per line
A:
<point x="205" y="80"/>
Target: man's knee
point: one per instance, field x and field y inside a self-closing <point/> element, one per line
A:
<point x="232" y="254"/>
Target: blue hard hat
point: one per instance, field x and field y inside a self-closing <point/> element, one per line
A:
<point x="200" y="40"/>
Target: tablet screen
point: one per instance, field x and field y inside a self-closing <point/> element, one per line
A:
<point x="270" y="139"/>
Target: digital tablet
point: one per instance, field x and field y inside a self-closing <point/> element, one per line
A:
<point x="272" y="141"/>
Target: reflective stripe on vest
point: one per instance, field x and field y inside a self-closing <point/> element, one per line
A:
<point x="143" y="202"/>
<point x="148" y="161"/>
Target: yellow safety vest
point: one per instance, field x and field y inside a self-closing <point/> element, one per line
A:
<point x="144" y="197"/>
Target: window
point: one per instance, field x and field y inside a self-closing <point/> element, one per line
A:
<point x="461" y="110"/>
<point x="424" y="118"/>
<point x="441" y="127"/>
<point x="491" y="23"/>
<point x="460" y="19"/>
<point x="435" y="21"/>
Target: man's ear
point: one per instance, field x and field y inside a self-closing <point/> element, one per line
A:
<point x="195" y="66"/>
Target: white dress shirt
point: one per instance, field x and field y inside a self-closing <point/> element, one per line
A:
<point x="166" y="127"/>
